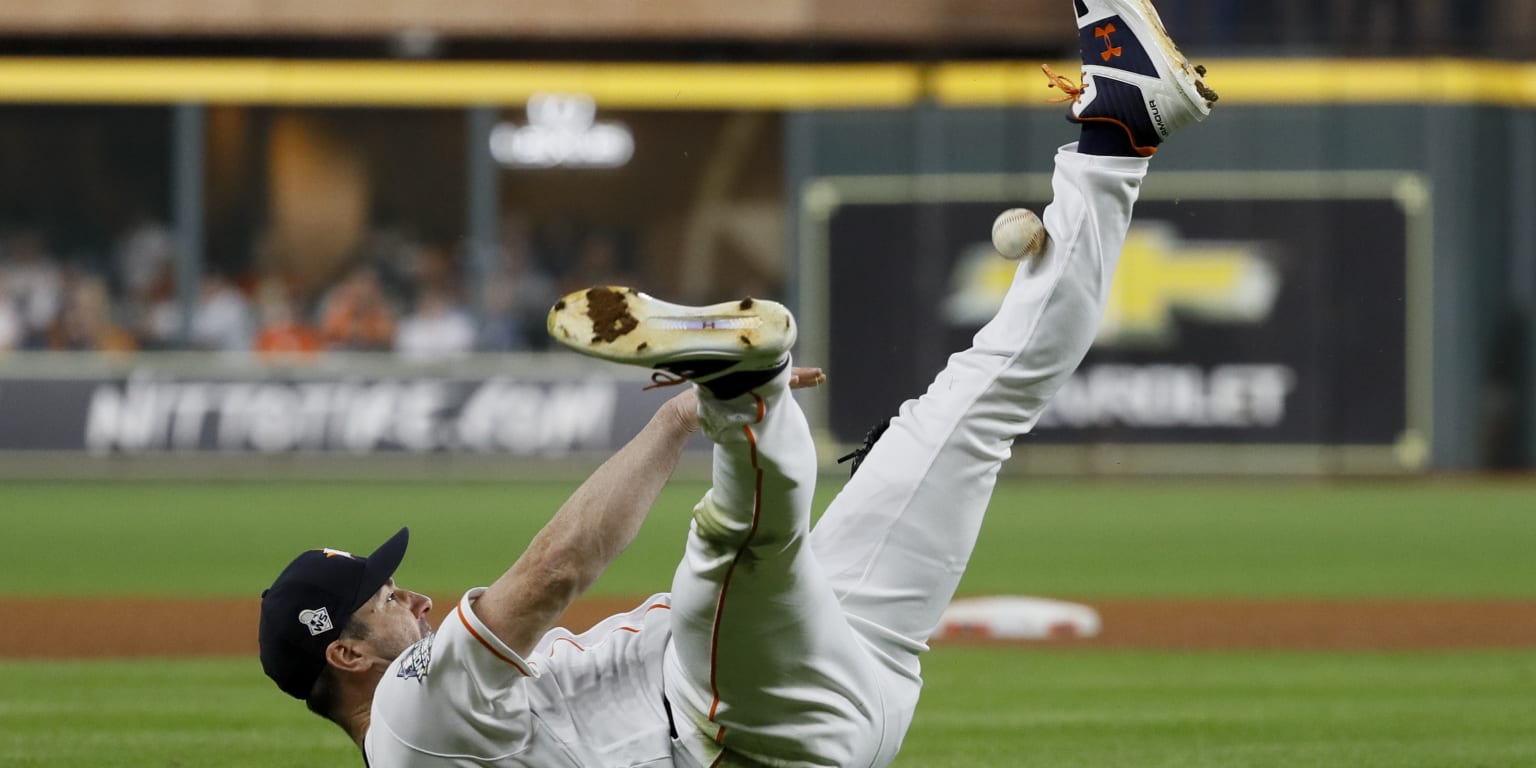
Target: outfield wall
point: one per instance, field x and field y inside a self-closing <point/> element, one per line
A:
<point x="193" y="415"/>
<point x="1450" y="252"/>
<point x="1372" y="216"/>
<point x="1452" y="246"/>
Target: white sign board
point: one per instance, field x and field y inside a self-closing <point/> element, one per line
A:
<point x="562" y="132"/>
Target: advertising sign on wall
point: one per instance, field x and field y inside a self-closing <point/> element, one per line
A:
<point x="145" y="412"/>
<point x="1243" y="313"/>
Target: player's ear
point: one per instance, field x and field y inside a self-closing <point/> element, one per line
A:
<point x="346" y="655"/>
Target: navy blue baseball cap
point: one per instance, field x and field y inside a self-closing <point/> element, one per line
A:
<point x="312" y="599"/>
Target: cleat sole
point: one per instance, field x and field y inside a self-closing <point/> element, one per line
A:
<point x="623" y="325"/>
<point x="1188" y="77"/>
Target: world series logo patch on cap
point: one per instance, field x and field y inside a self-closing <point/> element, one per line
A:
<point x="318" y="620"/>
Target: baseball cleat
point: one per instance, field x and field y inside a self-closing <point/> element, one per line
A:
<point x="728" y="349"/>
<point x="1133" y="74"/>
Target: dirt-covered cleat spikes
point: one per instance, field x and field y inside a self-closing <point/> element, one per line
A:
<point x="728" y="349"/>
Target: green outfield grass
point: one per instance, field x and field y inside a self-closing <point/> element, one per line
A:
<point x="981" y="707"/>
<point x="1412" y="539"/>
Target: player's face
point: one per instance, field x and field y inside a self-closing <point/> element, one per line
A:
<point x="396" y="618"/>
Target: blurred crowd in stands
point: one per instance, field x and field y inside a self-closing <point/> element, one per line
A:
<point x="422" y="301"/>
<point x="433" y="300"/>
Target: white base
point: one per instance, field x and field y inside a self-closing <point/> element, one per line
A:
<point x="1017" y="618"/>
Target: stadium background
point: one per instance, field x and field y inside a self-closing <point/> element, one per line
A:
<point x="272" y="274"/>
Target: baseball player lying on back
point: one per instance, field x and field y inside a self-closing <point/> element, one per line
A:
<point x="777" y="645"/>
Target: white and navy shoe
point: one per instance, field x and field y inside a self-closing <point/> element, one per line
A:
<point x="728" y="349"/>
<point x="1133" y="74"/>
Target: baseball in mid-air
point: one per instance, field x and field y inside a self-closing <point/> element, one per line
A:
<point x="1017" y="233"/>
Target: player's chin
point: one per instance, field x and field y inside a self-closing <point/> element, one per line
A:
<point x="423" y="628"/>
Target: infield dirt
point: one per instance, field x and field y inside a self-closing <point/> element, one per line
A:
<point x="88" y="628"/>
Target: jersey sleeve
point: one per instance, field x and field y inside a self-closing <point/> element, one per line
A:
<point x="461" y="691"/>
<point x="492" y="659"/>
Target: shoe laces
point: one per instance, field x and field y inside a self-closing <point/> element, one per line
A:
<point x="661" y="379"/>
<point x="1070" y="91"/>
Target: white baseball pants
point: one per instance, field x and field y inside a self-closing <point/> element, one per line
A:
<point x="793" y="647"/>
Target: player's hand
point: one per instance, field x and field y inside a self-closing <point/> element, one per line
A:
<point x="805" y="378"/>
<point x="685" y="408"/>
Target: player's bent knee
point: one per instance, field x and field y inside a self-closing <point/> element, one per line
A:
<point x="713" y="524"/>
<point x="734" y="528"/>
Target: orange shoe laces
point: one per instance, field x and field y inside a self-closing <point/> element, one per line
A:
<point x="660" y="379"/>
<point x="1070" y="91"/>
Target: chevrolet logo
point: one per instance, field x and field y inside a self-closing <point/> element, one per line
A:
<point x="1162" y="275"/>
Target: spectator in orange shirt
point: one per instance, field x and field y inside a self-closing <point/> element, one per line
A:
<point x="356" y="314"/>
<point x="283" y="334"/>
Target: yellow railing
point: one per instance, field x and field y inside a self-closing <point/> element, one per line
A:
<point x="725" y="86"/>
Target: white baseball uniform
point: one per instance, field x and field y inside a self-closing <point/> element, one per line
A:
<point x="780" y="645"/>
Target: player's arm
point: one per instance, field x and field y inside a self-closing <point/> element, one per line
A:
<point x="595" y="524"/>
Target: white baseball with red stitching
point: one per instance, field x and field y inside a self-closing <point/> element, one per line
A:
<point x="1017" y="233"/>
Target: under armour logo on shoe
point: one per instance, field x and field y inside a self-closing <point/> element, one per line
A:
<point x="1110" y="49"/>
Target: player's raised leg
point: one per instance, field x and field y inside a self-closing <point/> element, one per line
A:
<point x="762" y="666"/>
<point x="897" y="539"/>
